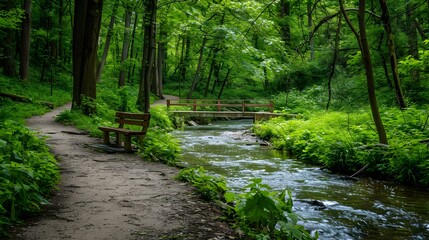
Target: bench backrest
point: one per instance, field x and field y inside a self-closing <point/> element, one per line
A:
<point x="138" y="119"/>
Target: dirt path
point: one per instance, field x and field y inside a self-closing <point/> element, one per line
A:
<point x="116" y="196"/>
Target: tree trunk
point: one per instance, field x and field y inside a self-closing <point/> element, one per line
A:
<point x="133" y="36"/>
<point x="284" y="22"/>
<point x="8" y="61"/>
<point x="162" y="52"/>
<point x="154" y="77"/>
<point x="8" y="58"/>
<point x="148" y="60"/>
<point x="334" y="61"/>
<point x="87" y="20"/>
<point x="224" y="83"/>
<point x="393" y="61"/>
<point x="24" y="64"/>
<point x="125" y="47"/>
<point x="366" y="57"/>
<point x="60" y="31"/>
<point x="412" y="39"/>
<point x="197" y="72"/>
<point x="310" y="26"/>
<point x="212" y="65"/>
<point x="107" y="43"/>
<point x="216" y="73"/>
<point x="186" y="58"/>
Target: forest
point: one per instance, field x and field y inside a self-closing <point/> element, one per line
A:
<point x="355" y="73"/>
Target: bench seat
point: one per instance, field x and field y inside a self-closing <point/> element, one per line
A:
<point x="123" y="118"/>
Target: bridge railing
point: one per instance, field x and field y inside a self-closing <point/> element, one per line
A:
<point x="221" y="104"/>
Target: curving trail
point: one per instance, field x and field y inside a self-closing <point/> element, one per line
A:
<point x="116" y="196"/>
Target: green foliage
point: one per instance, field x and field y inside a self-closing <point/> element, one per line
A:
<point x="161" y="146"/>
<point x="266" y="214"/>
<point x="347" y="142"/>
<point x="260" y="212"/>
<point x="210" y="187"/>
<point x="312" y="99"/>
<point x="36" y="92"/>
<point x="28" y="172"/>
<point x="161" y="118"/>
<point x="82" y="121"/>
<point x="11" y="18"/>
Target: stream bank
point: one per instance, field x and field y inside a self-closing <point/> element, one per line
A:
<point x="336" y="207"/>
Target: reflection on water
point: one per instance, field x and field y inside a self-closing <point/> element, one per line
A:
<point x="352" y="210"/>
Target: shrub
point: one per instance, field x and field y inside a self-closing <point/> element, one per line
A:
<point x="259" y="212"/>
<point x="28" y="172"/>
<point x="346" y="142"/>
<point x="159" y="145"/>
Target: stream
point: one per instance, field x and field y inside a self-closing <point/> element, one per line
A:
<point x="364" y="209"/>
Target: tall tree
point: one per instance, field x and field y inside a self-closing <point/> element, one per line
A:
<point x="412" y="38"/>
<point x="125" y="45"/>
<point x="24" y="63"/>
<point x="310" y="26"/>
<point x="392" y="53"/>
<point x="148" y="60"/>
<point x="361" y="37"/>
<point x="8" y="58"/>
<point x="197" y="72"/>
<point x="284" y="6"/>
<point x="107" y="43"/>
<point x="87" y="20"/>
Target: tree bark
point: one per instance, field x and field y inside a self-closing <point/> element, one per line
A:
<point x="60" y="31"/>
<point x="224" y="83"/>
<point x="334" y="61"/>
<point x="87" y="20"/>
<point x="125" y="46"/>
<point x="366" y="57"/>
<point x="284" y="22"/>
<point x="107" y="43"/>
<point x="197" y="72"/>
<point x="392" y="54"/>
<point x="412" y="39"/>
<point x="209" y="76"/>
<point x="162" y="53"/>
<point x="310" y="26"/>
<point x="24" y="64"/>
<point x="8" y="58"/>
<point x="148" y="60"/>
<point x="133" y="36"/>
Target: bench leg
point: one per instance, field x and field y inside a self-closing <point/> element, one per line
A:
<point x="106" y="138"/>
<point x="118" y="140"/>
<point x="127" y="143"/>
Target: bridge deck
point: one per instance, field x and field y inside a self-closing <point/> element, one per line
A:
<point x="228" y="114"/>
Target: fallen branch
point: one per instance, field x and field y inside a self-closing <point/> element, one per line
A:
<point x="19" y="98"/>
<point x="361" y="170"/>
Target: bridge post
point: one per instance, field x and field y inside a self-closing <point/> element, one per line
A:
<point x="271" y="106"/>
<point x="168" y="103"/>
<point x="195" y="105"/>
<point x="218" y="105"/>
<point x="243" y="106"/>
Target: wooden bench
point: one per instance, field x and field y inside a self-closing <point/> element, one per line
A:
<point x="136" y="119"/>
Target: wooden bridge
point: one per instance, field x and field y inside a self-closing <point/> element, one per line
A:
<point x="203" y="108"/>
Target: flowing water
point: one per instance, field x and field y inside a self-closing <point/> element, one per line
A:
<point x="336" y="207"/>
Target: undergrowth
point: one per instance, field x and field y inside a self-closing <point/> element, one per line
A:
<point x="259" y="212"/>
<point x="346" y="142"/>
<point x="28" y="172"/>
